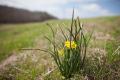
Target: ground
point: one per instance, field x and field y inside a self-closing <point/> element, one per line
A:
<point x="20" y="64"/>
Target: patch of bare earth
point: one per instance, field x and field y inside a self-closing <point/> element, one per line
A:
<point x="8" y="61"/>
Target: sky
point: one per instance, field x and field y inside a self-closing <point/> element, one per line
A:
<point x="63" y="8"/>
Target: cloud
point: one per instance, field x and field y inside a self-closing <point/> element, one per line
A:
<point x="92" y="7"/>
<point x="95" y="8"/>
<point x="88" y="10"/>
<point x="34" y="2"/>
<point x="83" y="0"/>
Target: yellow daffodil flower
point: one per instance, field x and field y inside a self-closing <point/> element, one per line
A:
<point x="73" y="44"/>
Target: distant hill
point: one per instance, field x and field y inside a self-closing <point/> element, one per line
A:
<point x="15" y="15"/>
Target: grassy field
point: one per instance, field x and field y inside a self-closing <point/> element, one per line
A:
<point x="16" y="36"/>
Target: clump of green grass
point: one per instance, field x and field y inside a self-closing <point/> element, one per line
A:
<point x="70" y="54"/>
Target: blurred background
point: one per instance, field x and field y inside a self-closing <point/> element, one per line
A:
<point x="62" y="9"/>
<point x="23" y="25"/>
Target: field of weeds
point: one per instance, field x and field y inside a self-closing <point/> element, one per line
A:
<point x="21" y="58"/>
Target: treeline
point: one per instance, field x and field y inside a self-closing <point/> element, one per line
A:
<point x="14" y="15"/>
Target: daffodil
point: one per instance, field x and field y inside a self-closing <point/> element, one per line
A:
<point x="61" y="52"/>
<point x="72" y="44"/>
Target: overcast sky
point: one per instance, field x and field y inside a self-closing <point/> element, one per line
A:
<point x="63" y="8"/>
